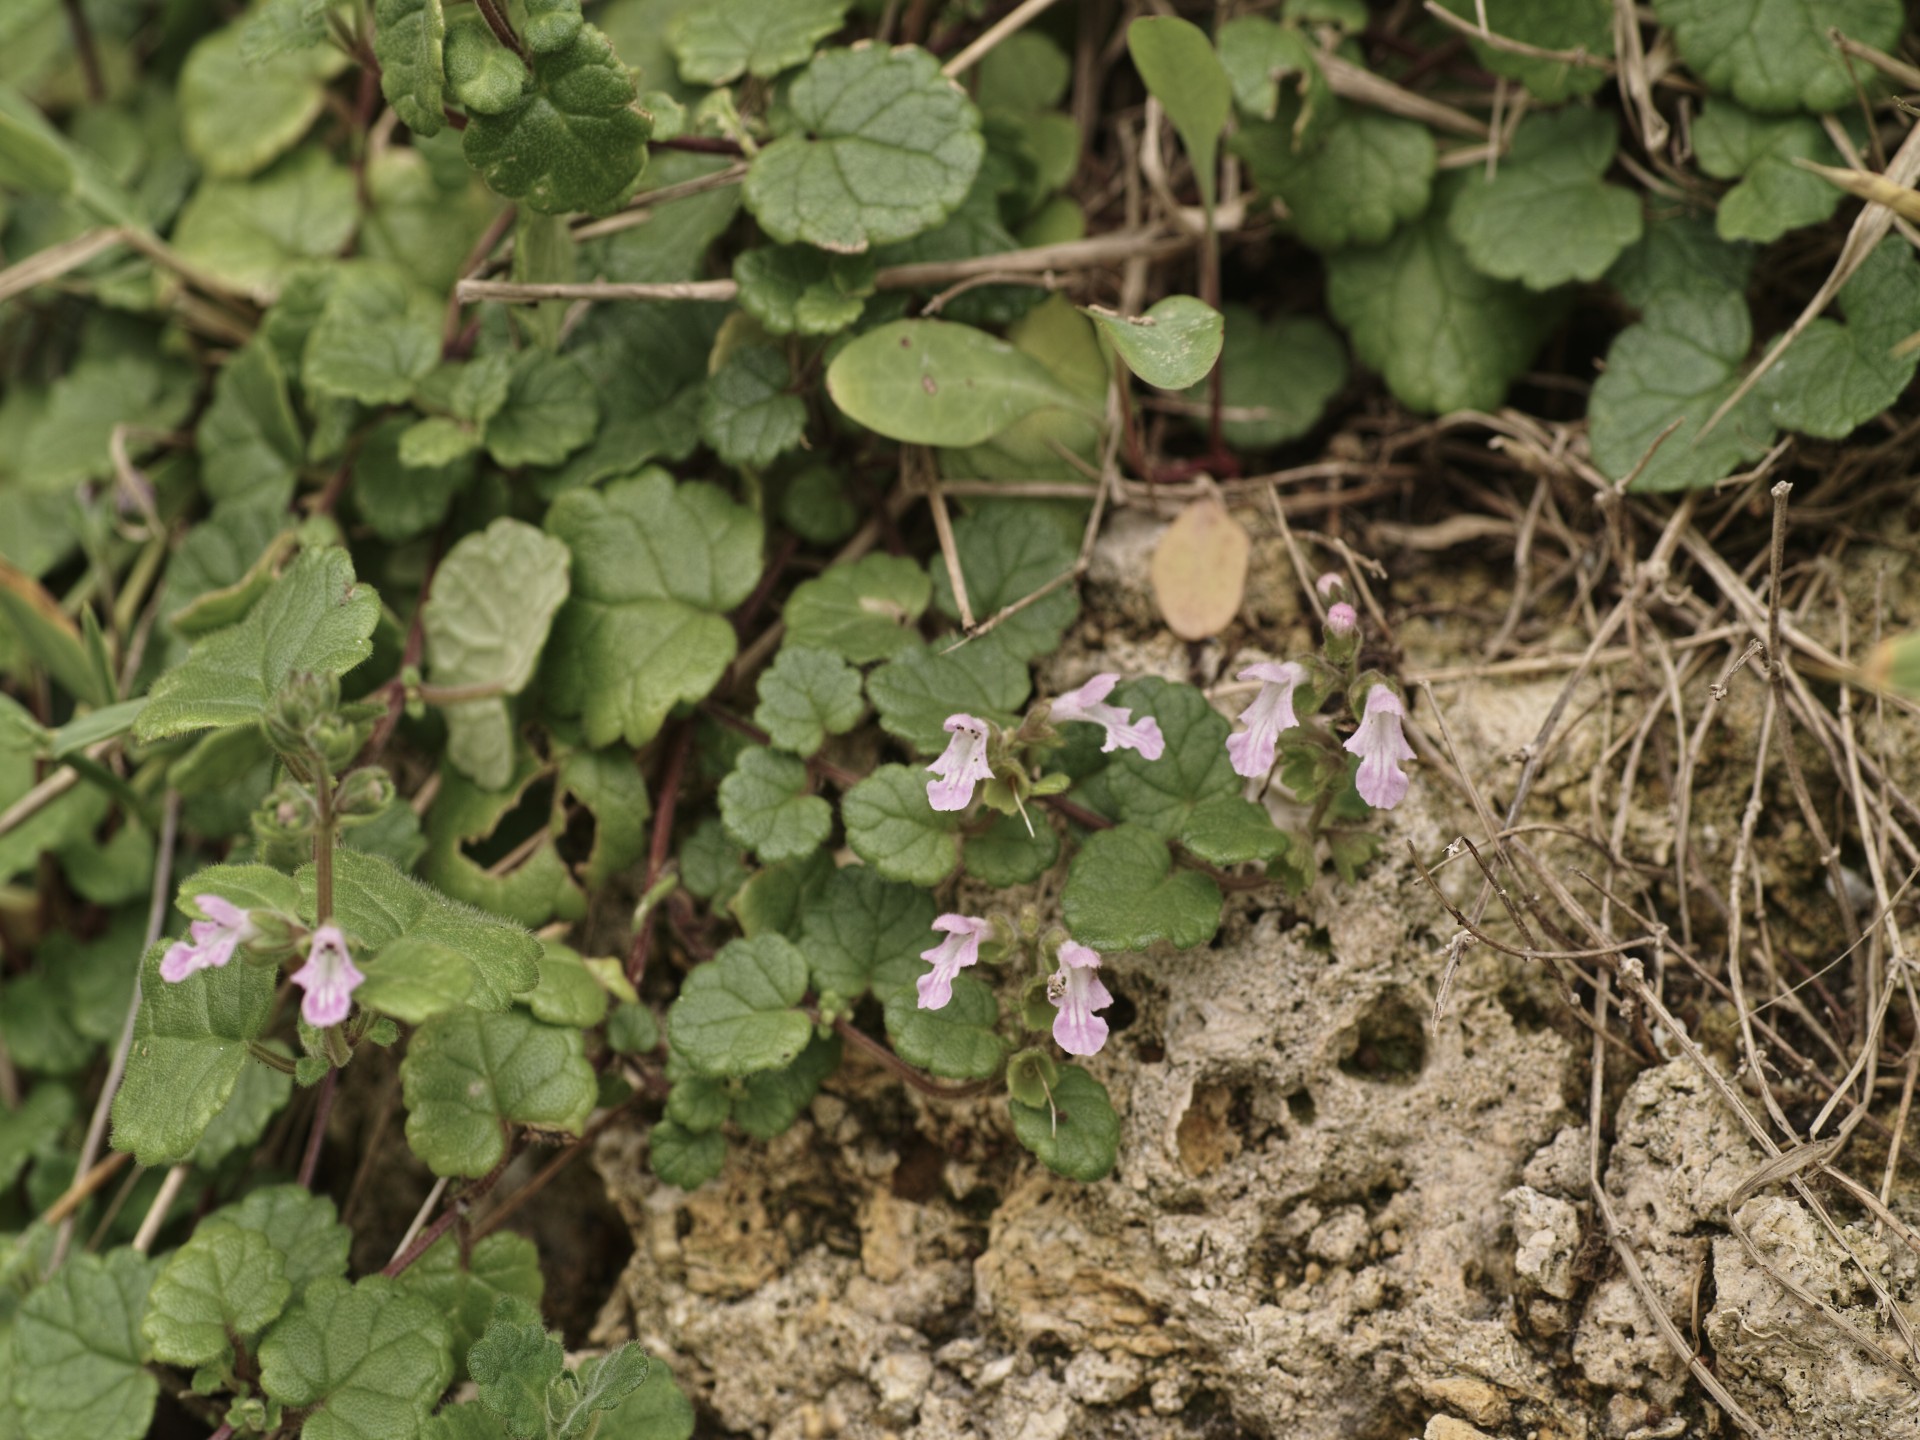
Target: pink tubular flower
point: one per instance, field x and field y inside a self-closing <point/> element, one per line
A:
<point x="209" y="942"/>
<point x="961" y="766"/>
<point x="1270" y="713"/>
<point x="1342" y="619"/>
<point x="1076" y="992"/>
<point x="960" y="949"/>
<point x="1088" y="704"/>
<point x="1381" y="747"/>
<point x="329" y="978"/>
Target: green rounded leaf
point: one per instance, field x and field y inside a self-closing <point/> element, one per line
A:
<point x="301" y="1227"/>
<point x="1006" y="853"/>
<point x="1444" y="336"/>
<point x="861" y="930"/>
<point x="685" y="1159"/>
<point x="751" y="415"/>
<point x="1076" y="1133"/>
<point x="1275" y="378"/>
<point x="1172" y="346"/>
<point x="932" y="382"/>
<point x="1184" y="74"/>
<point x="574" y="141"/>
<point x="805" y="695"/>
<point x="225" y="1281"/>
<point x="1679" y="363"/>
<point x="957" y="1040"/>
<point x="1566" y="26"/>
<point x="862" y="612"/>
<point x="236" y="115"/>
<point x="407" y="40"/>
<point x="1775" y="55"/>
<point x="891" y="826"/>
<point x="469" y="1077"/>
<point x="486" y="620"/>
<point x="1122" y="893"/>
<point x="1774" y="194"/>
<point x="366" y="1361"/>
<point x="78" y="1354"/>
<point x="189" y="1047"/>
<point x="483" y="74"/>
<point x="654" y="565"/>
<point x="735" y="1013"/>
<point x="765" y="806"/>
<point x="1009" y="549"/>
<point x="1361" y="176"/>
<point x="719" y="42"/>
<point x="1836" y="377"/>
<point x="514" y="1364"/>
<point x="918" y="691"/>
<point x="876" y="145"/>
<point x="1546" y="217"/>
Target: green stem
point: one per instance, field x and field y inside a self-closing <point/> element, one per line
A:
<point x="323" y="833"/>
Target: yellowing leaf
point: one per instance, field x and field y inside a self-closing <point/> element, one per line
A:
<point x="1199" y="570"/>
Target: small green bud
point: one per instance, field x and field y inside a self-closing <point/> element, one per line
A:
<point x="288" y="814"/>
<point x="382" y="1032"/>
<point x="363" y="794"/>
<point x="302" y="702"/>
<point x="1036" y="1010"/>
<point x="309" y="1070"/>
<point x="1031" y="1076"/>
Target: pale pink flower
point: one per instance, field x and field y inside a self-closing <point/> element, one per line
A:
<point x="1342" y="619"/>
<point x="1330" y="586"/>
<point x="1088" y="703"/>
<point x="209" y="942"/>
<point x="960" y="949"/>
<point x="1076" y="992"/>
<point x="329" y="978"/>
<point x="961" y="766"/>
<point x="1270" y="713"/>
<point x="1381" y="747"/>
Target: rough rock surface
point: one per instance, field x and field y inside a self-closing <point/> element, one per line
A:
<point x="1328" y="1222"/>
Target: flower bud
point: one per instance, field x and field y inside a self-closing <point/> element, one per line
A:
<point x="302" y="702"/>
<point x="1031" y="1076"/>
<point x="363" y="794"/>
<point x="1343" y="632"/>
<point x="1331" y="588"/>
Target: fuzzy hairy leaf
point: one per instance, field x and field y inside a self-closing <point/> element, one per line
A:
<point x="469" y="1077"/>
<point x="932" y="382"/>
<point x="189" y="1047"/>
<point x="735" y="1013"/>
<point x="407" y="40"/>
<point x="750" y="415"/>
<point x="765" y="806"/>
<point x="891" y="826"/>
<point x="1444" y="336"/>
<point x="1774" y="55"/>
<point x="1837" y="377"/>
<point x="224" y="1281"/>
<point x="1122" y="893"/>
<point x="654" y="565"/>
<point x="78" y="1351"/>
<point x="1076" y="1133"/>
<point x="367" y="1361"/>
<point x="573" y="141"/>
<point x="805" y="695"/>
<point x="861" y="930"/>
<point x="1363" y="173"/>
<point x="956" y="1041"/>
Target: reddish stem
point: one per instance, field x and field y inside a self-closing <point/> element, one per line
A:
<point x="670" y="782"/>
<point x="323" y="1110"/>
<point x="701" y="145"/>
<point x="451" y="1216"/>
<point x="860" y="1040"/>
<point x="502" y="31"/>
